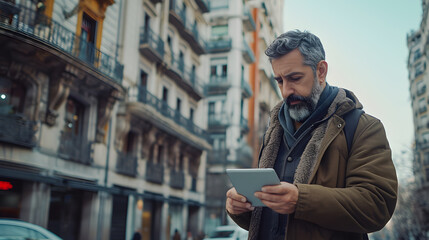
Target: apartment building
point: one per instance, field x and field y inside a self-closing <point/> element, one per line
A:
<point x="99" y="134"/>
<point x="419" y="80"/>
<point x="240" y="83"/>
<point x="266" y="94"/>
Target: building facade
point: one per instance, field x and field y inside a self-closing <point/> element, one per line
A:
<point x="240" y="83"/>
<point x="99" y="135"/>
<point x="418" y="46"/>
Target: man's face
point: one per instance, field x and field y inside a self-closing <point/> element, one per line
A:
<point x="298" y="84"/>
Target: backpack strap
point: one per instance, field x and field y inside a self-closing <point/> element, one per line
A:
<point x="352" y="119"/>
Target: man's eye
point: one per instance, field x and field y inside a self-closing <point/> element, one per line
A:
<point x="293" y="79"/>
<point x="279" y="80"/>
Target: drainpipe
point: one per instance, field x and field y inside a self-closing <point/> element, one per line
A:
<point x="103" y="194"/>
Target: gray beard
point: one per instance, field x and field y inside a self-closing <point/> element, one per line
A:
<point x="303" y="110"/>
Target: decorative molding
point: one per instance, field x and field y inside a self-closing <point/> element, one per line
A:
<point x="105" y="107"/>
<point x="59" y="89"/>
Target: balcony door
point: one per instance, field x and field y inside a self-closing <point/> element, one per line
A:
<point x="88" y="38"/>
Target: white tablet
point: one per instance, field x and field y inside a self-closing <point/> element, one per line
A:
<point x="251" y="180"/>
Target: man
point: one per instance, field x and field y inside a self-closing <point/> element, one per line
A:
<point x="326" y="191"/>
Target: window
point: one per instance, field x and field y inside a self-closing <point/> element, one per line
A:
<point x="191" y="115"/>
<point x="417" y="54"/>
<point x="211" y="108"/>
<point x="88" y="35"/>
<point x="422" y="105"/>
<point x="426" y="159"/>
<point x="143" y="78"/>
<point x="212" y="71"/>
<point x="420" y="68"/>
<point x="423" y="121"/>
<point x="164" y="94"/>
<point x="74" y="117"/>
<point x="146" y="23"/>
<point x="219" y="31"/>
<point x="12" y="96"/>
<point x="178" y="105"/>
<point x="421" y="88"/>
<point x="218" y="4"/>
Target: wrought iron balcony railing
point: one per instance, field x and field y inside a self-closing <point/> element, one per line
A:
<point x="217" y="156"/>
<point x="38" y="26"/>
<point x="247" y="90"/>
<point x="126" y="164"/>
<point x="218" y="120"/>
<point x="177" y="179"/>
<point x="148" y="98"/>
<point x="204" y="5"/>
<point x="248" y="21"/>
<point x="154" y="172"/>
<point x="15" y="129"/>
<point x="244" y="124"/>
<point x="153" y="41"/>
<point x="73" y="147"/>
<point x="248" y="53"/>
<point x="218" y="45"/>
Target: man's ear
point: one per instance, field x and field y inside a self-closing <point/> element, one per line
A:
<point x="322" y="71"/>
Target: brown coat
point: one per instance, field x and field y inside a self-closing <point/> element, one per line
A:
<point x="340" y="197"/>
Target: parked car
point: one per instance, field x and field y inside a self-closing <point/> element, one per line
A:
<point x="12" y="229"/>
<point x="229" y="232"/>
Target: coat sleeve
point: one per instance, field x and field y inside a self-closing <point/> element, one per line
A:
<point x="242" y="220"/>
<point x="368" y="200"/>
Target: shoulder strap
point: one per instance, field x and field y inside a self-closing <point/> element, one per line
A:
<point x="351" y="119"/>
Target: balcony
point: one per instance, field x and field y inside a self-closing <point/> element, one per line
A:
<point x="204" y="5"/>
<point x="151" y="45"/>
<point x="148" y="98"/>
<point x="421" y="90"/>
<point x="248" y="53"/>
<point x="177" y="15"/>
<point x="244" y="124"/>
<point x="40" y="27"/>
<point x="154" y="172"/>
<point x="248" y="22"/>
<point x="422" y="109"/>
<point x="218" y="121"/>
<point x="217" y="85"/>
<point x="73" y="148"/>
<point x="177" y="179"/>
<point x="126" y="164"/>
<point x="15" y="129"/>
<point x="246" y="89"/>
<point x="185" y="77"/>
<point x="217" y="156"/>
<point x="192" y="35"/>
<point x="219" y="45"/>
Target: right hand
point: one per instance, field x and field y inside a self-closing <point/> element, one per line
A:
<point x="236" y="203"/>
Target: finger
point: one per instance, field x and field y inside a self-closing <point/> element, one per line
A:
<point x="232" y="193"/>
<point x="270" y="197"/>
<point x="235" y="207"/>
<point x="283" y="188"/>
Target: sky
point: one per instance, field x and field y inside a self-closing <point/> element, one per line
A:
<point x="366" y="50"/>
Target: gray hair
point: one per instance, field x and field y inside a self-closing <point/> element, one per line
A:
<point x="307" y="43"/>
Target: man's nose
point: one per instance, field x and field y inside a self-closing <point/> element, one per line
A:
<point x="287" y="90"/>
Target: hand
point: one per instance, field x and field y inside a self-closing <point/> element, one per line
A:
<point x="236" y="203"/>
<point x="280" y="198"/>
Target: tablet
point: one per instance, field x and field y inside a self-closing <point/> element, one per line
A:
<point x="251" y="180"/>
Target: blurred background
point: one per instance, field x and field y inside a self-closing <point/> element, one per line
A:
<point x="118" y="118"/>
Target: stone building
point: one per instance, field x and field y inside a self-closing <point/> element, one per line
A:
<point x="99" y="134"/>
<point x="418" y="46"/>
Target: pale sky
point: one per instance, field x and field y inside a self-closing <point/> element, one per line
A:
<point x="366" y="50"/>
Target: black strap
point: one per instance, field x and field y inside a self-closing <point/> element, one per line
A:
<point x="352" y="119"/>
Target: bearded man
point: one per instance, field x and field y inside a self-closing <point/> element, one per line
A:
<point x="327" y="190"/>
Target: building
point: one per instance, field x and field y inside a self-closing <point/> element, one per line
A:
<point x="98" y="103"/>
<point x="418" y="46"/>
<point x="266" y="94"/>
<point x="236" y="91"/>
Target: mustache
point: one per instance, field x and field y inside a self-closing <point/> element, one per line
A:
<point x="293" y="98"/>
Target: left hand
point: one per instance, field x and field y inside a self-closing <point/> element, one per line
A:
<point x="280" y="198"/>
